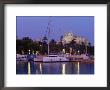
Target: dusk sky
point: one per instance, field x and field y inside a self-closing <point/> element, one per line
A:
<point x="35" y="27"/>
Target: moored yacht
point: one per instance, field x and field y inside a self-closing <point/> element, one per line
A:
<point x="20" y="57"/>
<point x="54" y="58"/>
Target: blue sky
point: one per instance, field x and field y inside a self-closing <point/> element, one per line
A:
<point x="35" y="27"/>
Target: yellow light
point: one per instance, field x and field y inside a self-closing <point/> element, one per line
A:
<point x="63" y="68"/>
<point x="78" y="68"/>
<point x="40" y="68"/>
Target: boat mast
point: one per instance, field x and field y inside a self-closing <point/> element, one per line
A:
<point x="49" y="33"/>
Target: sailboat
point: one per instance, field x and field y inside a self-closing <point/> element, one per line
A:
<point x="53" y="57"/>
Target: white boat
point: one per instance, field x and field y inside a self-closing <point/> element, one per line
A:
<point x="85" y="57"/>
<point x="21" y="57"/>
<point x="54" y="58"/>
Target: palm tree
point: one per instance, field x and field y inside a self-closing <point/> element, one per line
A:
<point x="44" y="39"/>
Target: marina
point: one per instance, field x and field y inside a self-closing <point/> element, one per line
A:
<point x="54" y="64"/>
<point x="56" y="58"/>
<point x="67" y="53"/>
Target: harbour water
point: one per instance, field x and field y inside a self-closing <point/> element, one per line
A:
<point x="54" y="68"/>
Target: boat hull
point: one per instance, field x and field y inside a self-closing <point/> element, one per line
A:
<point x="54" y="59"/>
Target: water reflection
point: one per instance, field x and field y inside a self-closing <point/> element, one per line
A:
<point x="29" y="68"/>
<point x="78" y="67"/>
<point x="40" y="66"/>
<point x="63" y="69"/>
<point x="54" y="68"/>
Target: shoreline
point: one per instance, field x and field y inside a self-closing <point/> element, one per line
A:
<point x="81" y="61"/>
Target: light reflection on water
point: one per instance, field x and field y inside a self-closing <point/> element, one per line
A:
<point x="63" y="69"/>
<point x="54" y="68"/>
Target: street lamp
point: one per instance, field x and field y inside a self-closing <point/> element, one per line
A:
<point x="29" y="51"/>
<point x="33" y="52"/>
<point x="78" y="51"/>
<point x="41" y="48"/>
